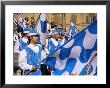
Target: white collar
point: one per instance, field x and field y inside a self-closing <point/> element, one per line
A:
<point x="24" y="39"/>
<point x="54" y="42"/>
<point x="34" y="48"/>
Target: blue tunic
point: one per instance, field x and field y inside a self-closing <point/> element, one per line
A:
<point x="34" y="58"/>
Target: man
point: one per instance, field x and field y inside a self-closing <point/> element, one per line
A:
<point x="32" y="22"/>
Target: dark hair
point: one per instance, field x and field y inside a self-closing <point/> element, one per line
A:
<point x="29" y="38"/>
<point x="32" y="17"/>
<point x="26" y="18"/>
<point x="24" y="34"/>
<point x="62" y="34"/>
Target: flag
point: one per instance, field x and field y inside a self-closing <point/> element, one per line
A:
<point x="22" y="21"/>
<point x="19" y="28"/>
<point x="48" y="32"/>
<point x="16" y="22"/>
<point x="20" y="18"/>
<point x="76" y="56"/>
<point x="73" y="29"/>
<point x="42" y="27"/>
<point x="48" y="26"/>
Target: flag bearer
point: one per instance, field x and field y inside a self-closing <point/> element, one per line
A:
<point x="31" y="56"/>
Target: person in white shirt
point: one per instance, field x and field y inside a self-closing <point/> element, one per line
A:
<point x="22" y="42"/>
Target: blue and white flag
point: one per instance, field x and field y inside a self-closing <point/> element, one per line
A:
<point x="22" y="21"/>
<point x="48" y="26"/>
<point x="73" y="29"/>
<point x="76" y="56"/>
<point x="48" y="29"/>
<point x="16" y="22"/>
<point x="19" y="17"/>
<point x="42" y="27"/>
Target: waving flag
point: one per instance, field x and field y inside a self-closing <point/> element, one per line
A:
<point x="77" y="55"/>
<point x="48" y="29"/>
<point x="73" y="29"/>
<point x="42" y="27"/>
<point x="20" y="18"/>
<point x="22" y="21"/>
<point x="48" y="26"/>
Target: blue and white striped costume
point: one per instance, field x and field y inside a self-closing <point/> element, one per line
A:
<point x="52" y="45"/>
<point x="32" y="55"/>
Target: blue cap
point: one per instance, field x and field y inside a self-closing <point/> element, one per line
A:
<point x="26" y="30"/>
<point x="33" y="32"/>
<point x="54" y="32"/>
<point x="58" y="30"/>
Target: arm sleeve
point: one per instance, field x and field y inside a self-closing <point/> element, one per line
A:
<point x="16" y="47"/>
<point x="47" y="51"/>
<point x="22" y="61"/>
<point x="47" y="42"/>
<point x="43" y="55"/>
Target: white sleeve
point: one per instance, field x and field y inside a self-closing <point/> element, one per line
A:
<point x="47" y="51"/>
<point x="16" y="47"/>
<point x="46" y="42"/>
<point x="22" y="61"/>
<point x="43" y="55"/>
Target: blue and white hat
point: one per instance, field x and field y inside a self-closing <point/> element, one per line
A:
<point x="26" y="30"/>
<point x="33" y="32"/>
<point x="54" y="32"/>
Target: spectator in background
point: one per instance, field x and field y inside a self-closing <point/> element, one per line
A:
<point x="27" y="22"/>
<point x="32" y="22"/>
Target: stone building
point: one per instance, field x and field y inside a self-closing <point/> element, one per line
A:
<point x="62" y="20"/>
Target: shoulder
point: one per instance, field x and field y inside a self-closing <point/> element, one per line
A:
<point x="34" y="48"/>
<point x="39" y="45"/>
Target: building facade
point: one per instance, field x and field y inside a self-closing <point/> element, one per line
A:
<point x="62" y="20"/>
